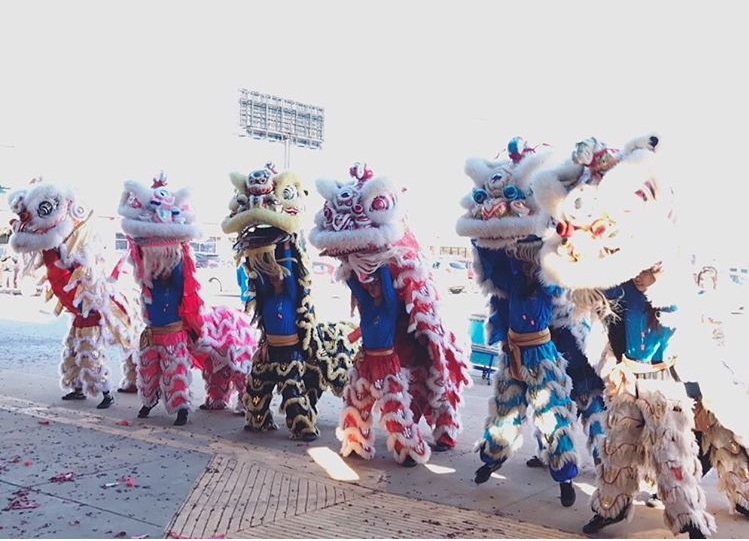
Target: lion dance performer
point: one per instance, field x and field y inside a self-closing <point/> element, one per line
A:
<point x="410" y="366"/>
<point x="298" y="356"/>
<point x="546" y="348"/>
<point x="54" y="229"/>
<point x="616" y="246"/>
<point x="180" y="332"/>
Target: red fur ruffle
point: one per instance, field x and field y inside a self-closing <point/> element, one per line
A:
<point x="190" y="310"/>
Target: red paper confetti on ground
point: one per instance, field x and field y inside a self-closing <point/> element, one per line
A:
<point x="43" y="421"/>
<point x="62" y="477"/>
<point x="123" y="422"/>
<point x="27" y="462"/>
<point x="172" y="535"/>
<point x="129" y="481"/>
<point x="19" y="501"/>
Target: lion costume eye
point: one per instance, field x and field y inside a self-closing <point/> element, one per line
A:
<point x="162" y="193"/>
<point x="380" y="203"/>
<point x="289" y="193"/>
<point x="496" y="177"/>
<point x="46" y="208"/>
<point x="479" y="195"/>
<point x="259" y="176"/>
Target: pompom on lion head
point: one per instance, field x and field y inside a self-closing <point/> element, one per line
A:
<point x="47" y="214"/>
<point x="359" y="215"/>
<point x="608" y="232"/>
<point x="589" y="162"/>
<point x="264" y="201"/>
<point x="157" y="212"/>
<point x="501" y="209"/>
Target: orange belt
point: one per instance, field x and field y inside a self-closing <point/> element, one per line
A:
<point x="622" y="377"/>
<point x="148" y="333"/>
<point x="379" y="352"/>
<point x="516" y="340"/>
<point x="280" y="340"/>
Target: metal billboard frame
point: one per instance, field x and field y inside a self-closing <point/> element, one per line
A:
<point x="276" y="119"/>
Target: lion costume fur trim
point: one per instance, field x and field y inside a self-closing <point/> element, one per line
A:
<point x="325" y="346"/>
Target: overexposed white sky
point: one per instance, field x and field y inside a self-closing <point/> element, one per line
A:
<point x="93" y="93"/>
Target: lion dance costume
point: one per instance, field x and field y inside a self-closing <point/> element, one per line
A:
<point x="298" y="356"/>
<point x="180" y="332"/>
<point x="54" y="229"/>
<point x="616" y="246"/>
<point x="410" y="366"/>
<point x="546" y="348"/>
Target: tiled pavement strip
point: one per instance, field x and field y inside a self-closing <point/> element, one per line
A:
<point x="249" y="500"/>
<point x="239" y="497"/>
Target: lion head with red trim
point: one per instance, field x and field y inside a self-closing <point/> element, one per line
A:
<point x="359" y="215"/>
<point x="47" y="214"/>
<point x="156" y="212"/>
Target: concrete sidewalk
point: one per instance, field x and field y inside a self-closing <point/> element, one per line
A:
<point x="134" y="480"/>
<point x="212" y="478"/>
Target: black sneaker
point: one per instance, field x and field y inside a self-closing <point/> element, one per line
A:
<point x="107" y="401"/>
<point x="535" y="462"/>
<point x="439" y="447"/>
<point x="75" y="395"/>
<point x="181" y="417"/>
<point x="742" y="510"/>
<point x="308" y="436"/>
<point x="267" y="425"/>
<point x="129" y="389"/>
<point x="144" y="411"/>
<point x="693" y="531"/>
<point x="485" y="471"/>
<point x="567" y="494"/>
<point x="408" y="462"/>
<point x="598" y="522"/>
<point x="654" y="501"/>
<point x="207" y="407"/>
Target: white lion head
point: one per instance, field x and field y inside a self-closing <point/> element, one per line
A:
<point x="501" y="207"/>
<point x="358" y="215"/>
<point x="156" y="212"/>
<point x="47" y="214"/>
<point x="607" y="233"/>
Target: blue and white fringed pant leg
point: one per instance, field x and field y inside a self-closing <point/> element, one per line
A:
<point x="546" y="387"/>
<point x="591" y="410"/>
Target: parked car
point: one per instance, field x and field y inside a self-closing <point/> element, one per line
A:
<point x="453" y="275"/>
<point x="207" y="261"/>
<point x="324" y="270"/>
